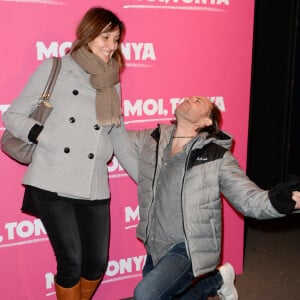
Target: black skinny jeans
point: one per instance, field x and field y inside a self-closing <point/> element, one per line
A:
<point x="78" y="233"/>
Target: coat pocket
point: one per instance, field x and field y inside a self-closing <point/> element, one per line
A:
<point x="216" y="238"/>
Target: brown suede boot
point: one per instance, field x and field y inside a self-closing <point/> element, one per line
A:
<point x="72" y="293"/>
<point x="88" y="288"/>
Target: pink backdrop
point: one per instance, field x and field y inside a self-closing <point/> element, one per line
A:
<point x="173" y="48"/>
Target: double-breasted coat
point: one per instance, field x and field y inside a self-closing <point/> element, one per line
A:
<point x="73" y="150"/>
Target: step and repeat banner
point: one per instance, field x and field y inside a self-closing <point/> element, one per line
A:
<point x="173" y="49"/>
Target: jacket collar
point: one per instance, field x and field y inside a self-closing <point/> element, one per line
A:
<point x="223" y="138"/>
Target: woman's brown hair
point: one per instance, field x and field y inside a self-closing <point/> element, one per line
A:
<point x="95" y="21"/>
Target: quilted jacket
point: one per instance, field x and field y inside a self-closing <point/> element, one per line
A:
<point x="210" y="170"/>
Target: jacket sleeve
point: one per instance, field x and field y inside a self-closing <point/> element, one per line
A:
<point x="242" y="193"/>
<point x="16" y="117"/>
<point x="125" y="150"/>
<point x="127" y="147"/>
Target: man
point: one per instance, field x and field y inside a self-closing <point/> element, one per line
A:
<point x="183" y="169"/>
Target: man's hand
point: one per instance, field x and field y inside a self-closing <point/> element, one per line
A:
<point x="296" y="197"/>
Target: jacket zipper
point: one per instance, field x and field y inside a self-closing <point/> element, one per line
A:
<point x="181" y="195"/>
<point x="154" y="178"/>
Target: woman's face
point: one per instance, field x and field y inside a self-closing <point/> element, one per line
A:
<point x="105" y="44"/>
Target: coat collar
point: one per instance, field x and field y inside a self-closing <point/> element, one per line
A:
<point x="76" y="71"/>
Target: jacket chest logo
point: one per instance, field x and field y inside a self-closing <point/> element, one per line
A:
<point x="201" y="158"/>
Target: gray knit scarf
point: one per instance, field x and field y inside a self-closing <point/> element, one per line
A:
<point x="103" y="77"/>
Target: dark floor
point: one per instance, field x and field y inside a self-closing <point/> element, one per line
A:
<point x="272" y="260"/>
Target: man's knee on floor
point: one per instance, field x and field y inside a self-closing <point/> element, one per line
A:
<point x="143" y="292"/>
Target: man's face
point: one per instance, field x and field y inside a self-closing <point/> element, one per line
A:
<point x="194" y="109"/>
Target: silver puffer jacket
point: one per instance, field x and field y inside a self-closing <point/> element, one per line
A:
<point x="210" y="170"/>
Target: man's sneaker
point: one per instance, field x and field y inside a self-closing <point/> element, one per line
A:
<point x="227" y="290"/>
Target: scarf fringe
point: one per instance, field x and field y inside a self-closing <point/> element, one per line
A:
<point x="115" y="122"/>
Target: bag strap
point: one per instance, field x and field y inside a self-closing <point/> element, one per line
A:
<point x="51" y="80"/>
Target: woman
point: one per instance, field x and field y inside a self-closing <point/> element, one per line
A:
<point x="68" y="177"/>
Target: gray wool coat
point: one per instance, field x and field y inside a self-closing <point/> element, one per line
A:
<point x="72" y="152"/>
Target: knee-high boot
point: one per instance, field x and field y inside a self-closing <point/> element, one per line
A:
<point x="72" y="293"/>
<point x="88" y="288"/>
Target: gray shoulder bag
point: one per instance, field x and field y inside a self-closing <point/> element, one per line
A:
<point x="17" y="148"/>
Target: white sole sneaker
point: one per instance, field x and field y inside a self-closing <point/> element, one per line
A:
<point x="227" y="290"/>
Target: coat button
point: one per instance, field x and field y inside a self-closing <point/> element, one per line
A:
<point x="75" y="92"/>
<point x="91" y="156"/>
<point x="67" y="150"/>
<point x="72" y="120"/>
<point x="96" y="127"/>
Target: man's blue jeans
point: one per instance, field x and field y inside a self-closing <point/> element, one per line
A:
<point x="172" y="278"/>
